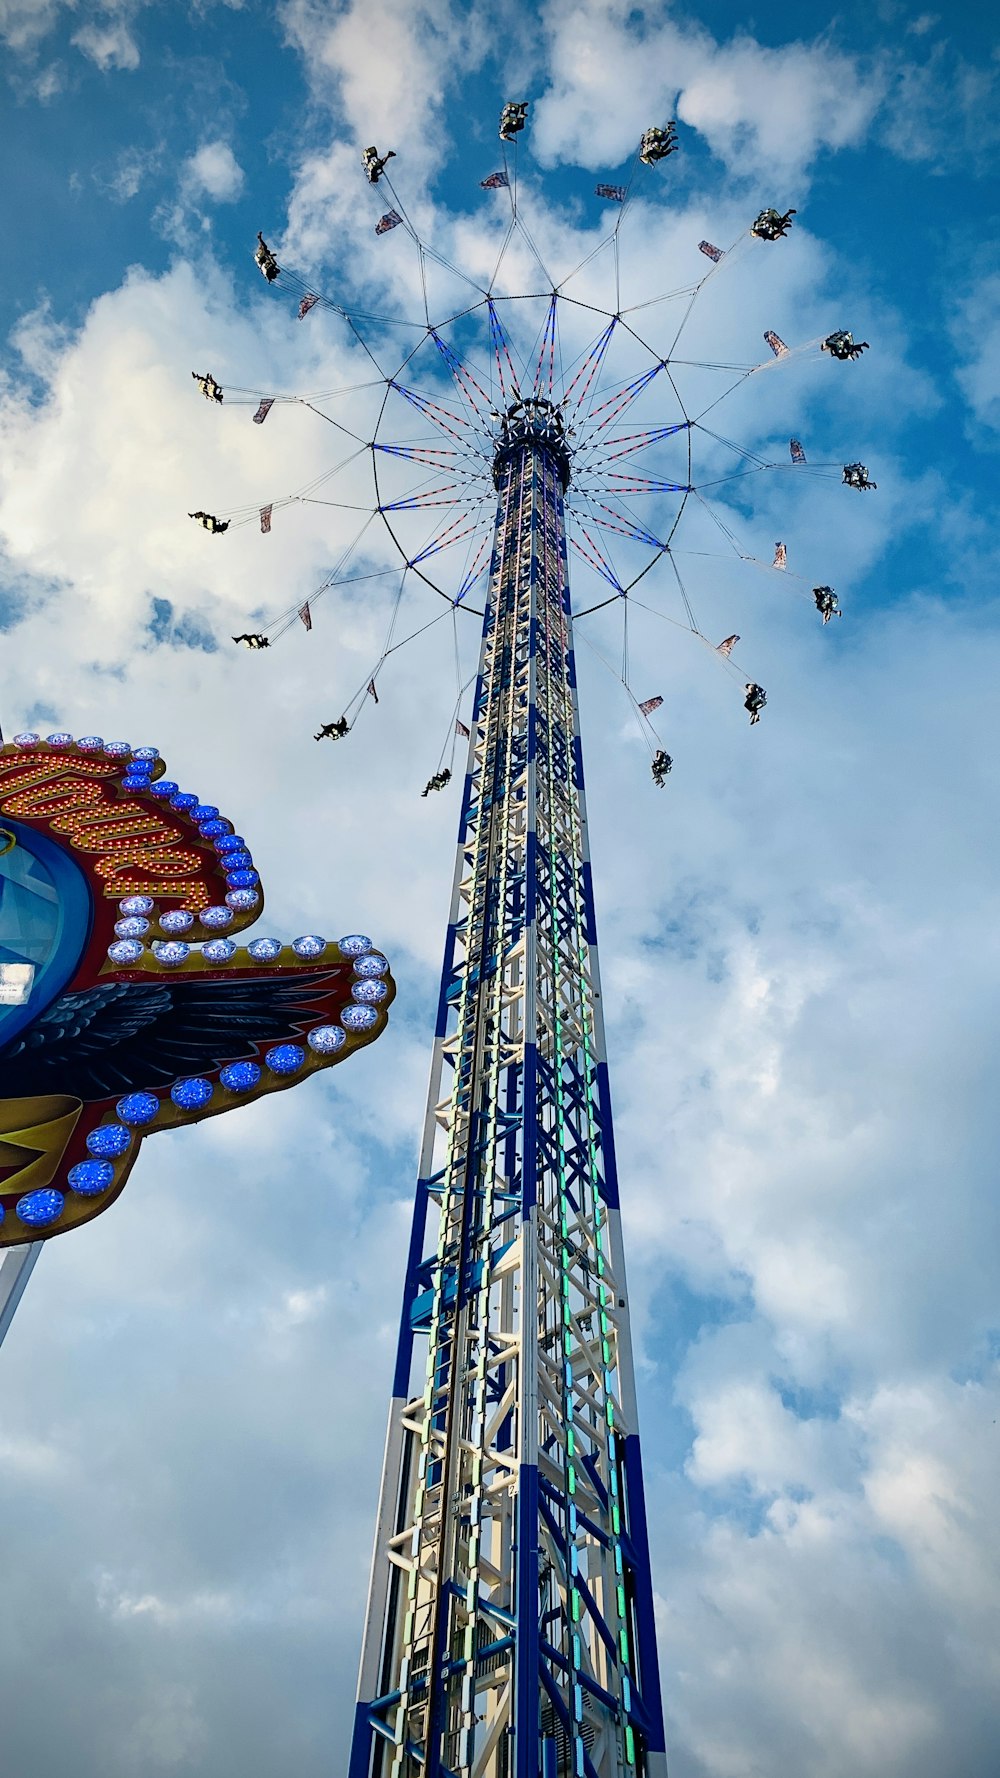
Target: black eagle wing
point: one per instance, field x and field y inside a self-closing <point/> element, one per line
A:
<point x="124" y="1037"/>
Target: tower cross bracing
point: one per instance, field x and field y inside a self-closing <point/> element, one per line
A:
<point x="510" y="1623"/>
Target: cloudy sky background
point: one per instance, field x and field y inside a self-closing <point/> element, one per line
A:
<point x="799" y="941"/>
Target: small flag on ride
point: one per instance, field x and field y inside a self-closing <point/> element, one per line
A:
<point x="727" y="646"/>
<point x="775" y="342"/>
<point x="798" y="454"/>
<point x="308" y="302"/>
<point x="262" y="412"/>
<point x="460" y="729"/>
<point x="495" y="182"/>
<point x="371" y="690"/>
<point x="710" y="251"/>
<point x="780" y="556"/>
<point x="616" y="193"/>
<point x="265" y="519"/>
<point x="306" y="615"/>
<point x="648" y="705"/>
<point x="391" y="219"/>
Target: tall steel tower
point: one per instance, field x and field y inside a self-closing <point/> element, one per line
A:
<point x="510" y="1627"/>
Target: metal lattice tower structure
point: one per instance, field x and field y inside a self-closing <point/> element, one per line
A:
<point x="510" y="1628"/>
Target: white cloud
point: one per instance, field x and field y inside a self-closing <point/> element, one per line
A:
<point x="297" y="1307"/>
<point x="385" y="64"/>
<point x="31" y="1459"/>
<point x="845" y="1626"/>
<point x="616" y="68"/>
<point x="769" y="112"/>
<point x="167" y="1732"/>
<point x="214" y="171"/>
<point x="49" y="82"/>
<point x="976" y="335"/>
<point x="216" y="1609"/>
<point x="212" y="175"/>
<point x="382" y="68"/>
<point x="109" y="42"/>
<point x="24" y="23"/>
<point x="942" y="111"/>
<point x="105" y="36"/>
<point x="130" y="171"/>
<point x="930" y="1485"/>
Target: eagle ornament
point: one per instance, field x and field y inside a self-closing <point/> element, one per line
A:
<point x="126" y="1004"/>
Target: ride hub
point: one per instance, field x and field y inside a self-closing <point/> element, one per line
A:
<point x="533" y="424"/>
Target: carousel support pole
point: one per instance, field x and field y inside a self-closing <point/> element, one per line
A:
<point x="17" y="1267"/>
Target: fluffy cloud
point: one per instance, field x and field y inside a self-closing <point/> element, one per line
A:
<point x="845" y="1628"/>
<point x="214" y="170"/>
<point x="385" y="64"/>
<point x="24" y="23"/>
<point x="105" y="35"/>
<point x="941" y="109"/>
<point x="759" y="109"/>
<point x="108" y="42"/>
<point x="768" y="112"/>
<point x="382" y="68"/>
<point x="976" y="335"/>
<point x="212" y="175"/>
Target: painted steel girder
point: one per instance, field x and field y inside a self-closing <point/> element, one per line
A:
<point x="509" y="1630"/>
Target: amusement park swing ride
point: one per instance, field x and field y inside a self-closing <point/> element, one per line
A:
<point x="510" y="1629"/>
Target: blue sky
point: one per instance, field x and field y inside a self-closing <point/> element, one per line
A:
<point x="798" y="936"/>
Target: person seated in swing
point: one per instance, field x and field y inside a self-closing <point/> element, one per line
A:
<point x="856" y="476"/>
<point x="771" y="225"/>
<point x="252" y="639"/>
<point x="210" y="523"/>
<point x="211" y="390"/>
<point x="844" y="346"/>
<point x="754" y="701"/>
<point x="827" y="603"/>
<point x="437" y="781"/>
<point x="265" y="259"/>
<point x="375" y="163"/>
<point x="657" y="143"/>
<point x="332" y="731"/>
<point x="512" y="119"/>
<point x="662" y="763"/>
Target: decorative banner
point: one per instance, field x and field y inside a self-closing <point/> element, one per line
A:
<point x="308" y="302"/>
<point x="265" y="519"/>
<point x="797" y="453"/>
<point x="126" y="1006"/>
<point x="495" y="182"/>
<point x="264" y="409"/>
<point x="617" y="193"/>
<point x="780" y="556"/>
<point x="727" y="646"/>
<point x="711" y="252"/>
<point x="391" y="219"/>
<point x="775" y="342"/>
<point x="648" y="705"/>
<point x="306" y="615"/>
